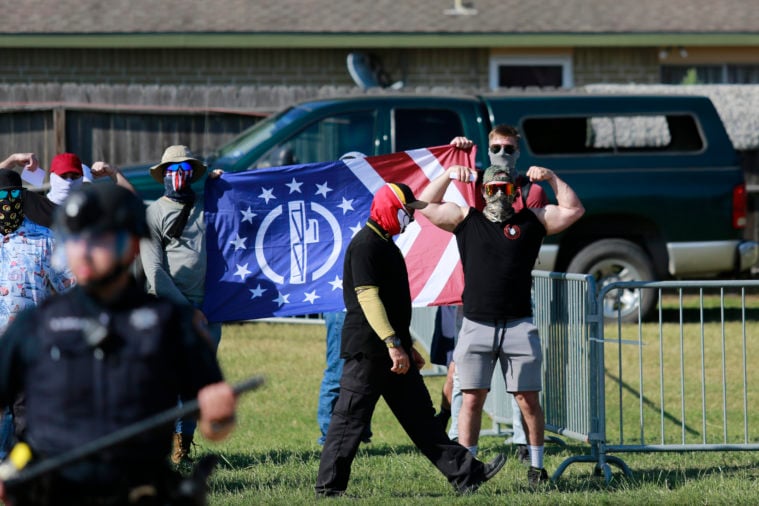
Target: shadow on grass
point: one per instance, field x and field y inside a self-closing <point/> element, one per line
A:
<point x="280" y="457"/>
<point x="711" y="315"/>
<point x="580" y="477"/>
<point x="292" y="470"/>
<point x="231" y="481"/>
<point x="651" y="405"/>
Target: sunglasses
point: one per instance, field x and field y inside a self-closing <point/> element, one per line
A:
<point x="508" y="148"/>
<point x="179" y="166"/>
<point x="494" y="187"/>
<point x="14" y="194"/>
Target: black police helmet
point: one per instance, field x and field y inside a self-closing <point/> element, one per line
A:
<point x="102" y="207"/>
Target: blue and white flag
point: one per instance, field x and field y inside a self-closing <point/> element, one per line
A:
<point x="276" y="237"/>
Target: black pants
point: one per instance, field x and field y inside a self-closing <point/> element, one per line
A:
<point x="364" y="380"/>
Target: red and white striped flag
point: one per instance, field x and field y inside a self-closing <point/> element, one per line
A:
<point x="432" y="257"/>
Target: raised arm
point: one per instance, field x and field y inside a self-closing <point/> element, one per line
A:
<point x="25" y="160"/>
<point x="102" y="169"/>
<point x="569" y="209"/>
<point x="445" y="215"/>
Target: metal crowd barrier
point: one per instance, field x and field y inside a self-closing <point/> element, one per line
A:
<point x="678" y="379"/>
<point x="681" y="379"/>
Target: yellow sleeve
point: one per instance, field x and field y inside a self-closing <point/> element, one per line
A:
<point x="371" y="305"/>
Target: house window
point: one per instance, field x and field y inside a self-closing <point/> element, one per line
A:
<point x="710" y="74"/>
<point x="522" y="72"/>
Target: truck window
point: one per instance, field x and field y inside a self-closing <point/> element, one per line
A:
<point x="421" y="128"/>
<point x="324" y="140"/>
<point x="612" y="134"/>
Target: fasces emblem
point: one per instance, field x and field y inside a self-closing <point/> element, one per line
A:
<point x="304" y="226"/>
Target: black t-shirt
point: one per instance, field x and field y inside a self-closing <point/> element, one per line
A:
<point x="87" y="370"/>
<point x="371" y="260"/>
<point x="498" y="259"/>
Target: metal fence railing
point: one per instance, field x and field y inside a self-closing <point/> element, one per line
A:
<point x="681" y="379"/>
<point x="676" y="380"/>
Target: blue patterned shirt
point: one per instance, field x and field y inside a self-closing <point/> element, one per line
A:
<point x="27" y="275"/>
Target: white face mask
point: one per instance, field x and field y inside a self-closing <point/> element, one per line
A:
<point x="404" y="219"/>
<point x="60" y="188"/>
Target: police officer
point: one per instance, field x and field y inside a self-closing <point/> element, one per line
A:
<point x="103" y="356"/>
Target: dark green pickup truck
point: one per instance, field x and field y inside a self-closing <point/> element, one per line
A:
<point x="659" y="178"/>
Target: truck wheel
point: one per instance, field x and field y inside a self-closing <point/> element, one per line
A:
<point x="611" y="260"/>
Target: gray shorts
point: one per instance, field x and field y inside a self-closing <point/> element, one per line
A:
<point x="517" y="346"/>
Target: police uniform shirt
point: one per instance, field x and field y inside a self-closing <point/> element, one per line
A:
<point x="87" y="370"/>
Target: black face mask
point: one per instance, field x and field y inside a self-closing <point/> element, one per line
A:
<point x="11" y="210"/>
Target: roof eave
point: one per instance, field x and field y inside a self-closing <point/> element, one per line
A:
<point x="368" y="40"/>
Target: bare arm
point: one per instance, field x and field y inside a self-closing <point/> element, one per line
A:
<point x="569" y="209"/>
<point x="445" y="215"/>
<point x="26" y="160"/>
<point x="103" y="169"/>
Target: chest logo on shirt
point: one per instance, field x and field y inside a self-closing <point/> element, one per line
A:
<point x="512" y="232"/>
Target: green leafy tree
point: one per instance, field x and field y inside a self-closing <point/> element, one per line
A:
<point x="690" y="77"/>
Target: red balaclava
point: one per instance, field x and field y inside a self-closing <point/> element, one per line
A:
<point x="387" y="209"/>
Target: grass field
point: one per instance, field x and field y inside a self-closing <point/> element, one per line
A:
<point x="272" y="458"/>
<point x="691" y="383"/>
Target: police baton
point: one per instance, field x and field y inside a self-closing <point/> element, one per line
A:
<point x="120" y="436"/>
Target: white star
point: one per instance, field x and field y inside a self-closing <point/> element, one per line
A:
<point x="337" y="284"/>
<point x="294" y="186"/>
<point x="311" y="297"/>
<point x="239" y="242"/>
<point x="247" y="216"/>
<point x="347" y="205"/>
<point x="267" y="195"/>
<point x="355" y="230"/>
<point x="282" y="299"/>
<point x="242" y="271"/>
<point x="257" y="291"/>
<point x="323" y="189"/>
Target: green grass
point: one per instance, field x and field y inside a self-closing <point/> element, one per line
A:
<point x="272" y="457"/>
<point x="710" y="358"/>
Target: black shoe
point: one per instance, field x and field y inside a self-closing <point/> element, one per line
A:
<point x="536" y="477"/>
<point x="488" y="471"/>
<point x="523" y="455"/>
<point x="323" y="493"/>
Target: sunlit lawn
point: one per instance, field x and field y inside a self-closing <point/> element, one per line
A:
<point x="273" y="457"/>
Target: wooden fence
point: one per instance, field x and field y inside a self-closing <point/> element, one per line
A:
<point x="123" y="135"/>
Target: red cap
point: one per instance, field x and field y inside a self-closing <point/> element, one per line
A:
<point x="66" y="163"/>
